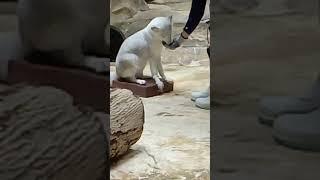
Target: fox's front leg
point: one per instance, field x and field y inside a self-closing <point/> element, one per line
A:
<point x="155" y="76"/>
<point x="161" y="72"/>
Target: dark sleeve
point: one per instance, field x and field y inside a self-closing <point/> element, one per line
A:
<point x="195" y="15"/>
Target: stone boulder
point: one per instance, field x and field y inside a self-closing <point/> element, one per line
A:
<point x="124" y="9"/>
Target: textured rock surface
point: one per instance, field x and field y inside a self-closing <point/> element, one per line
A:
<point x="124" y="9"/>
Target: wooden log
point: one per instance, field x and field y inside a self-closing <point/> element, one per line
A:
<point x="44" y="136"/>
<point x="146" y="90"/>
<point x="126" y="121"/>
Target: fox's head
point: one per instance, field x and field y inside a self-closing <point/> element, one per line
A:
<point x="162" y="26"/>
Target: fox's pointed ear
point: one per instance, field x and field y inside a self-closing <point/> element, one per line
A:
<point x="155" y="29"/>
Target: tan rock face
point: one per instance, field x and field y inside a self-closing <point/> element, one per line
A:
<point x="124" y="9"/>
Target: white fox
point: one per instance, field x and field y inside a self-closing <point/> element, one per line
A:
<point x="141" y="47"/>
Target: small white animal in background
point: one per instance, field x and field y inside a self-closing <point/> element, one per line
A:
<point x="142" y="47"/>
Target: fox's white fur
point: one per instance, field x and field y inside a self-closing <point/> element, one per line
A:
<point x="142" y="47"/>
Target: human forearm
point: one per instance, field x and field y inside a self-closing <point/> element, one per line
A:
<point x="195" y="15"/>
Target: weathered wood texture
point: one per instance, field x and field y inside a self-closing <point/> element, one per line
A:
<point x="126" y="121"/>
<point x="85" y="87"/>
<point x="146" y="90"/>
<point x="44" y="136"/>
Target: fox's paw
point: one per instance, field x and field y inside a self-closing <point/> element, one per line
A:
<point x="140" y="81"/>
<point x="160" y="85"/>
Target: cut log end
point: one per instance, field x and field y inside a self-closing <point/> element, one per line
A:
<point x="126" y="120"/>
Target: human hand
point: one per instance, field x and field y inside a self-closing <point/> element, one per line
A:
<point x="177" y="41"/>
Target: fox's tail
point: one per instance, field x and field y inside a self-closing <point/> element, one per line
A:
<point x="113" y="77"/>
